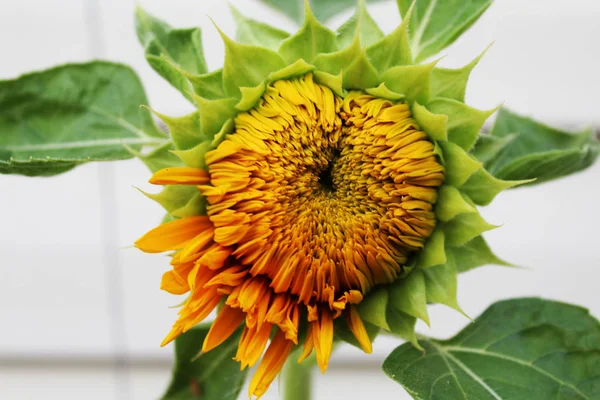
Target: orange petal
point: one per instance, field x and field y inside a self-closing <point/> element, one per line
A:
<point x="173" y="235"/>
<point x="180" y="176"/>
<point x="358" y="329"/>
<point x="173" y="283"/>
<point x="323" y="338"/>
<point x="308" y="343"/>
<point x="252" y="344"/>
<point x="271" y="364"/>
<point x="224" y="325"/>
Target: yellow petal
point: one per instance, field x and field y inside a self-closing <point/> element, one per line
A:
<point x="173" y="235"/>
<point x="180" y="176"/>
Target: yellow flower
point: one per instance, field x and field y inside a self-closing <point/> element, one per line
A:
<point x="313" y="201"/>
<point x="319" y="185"/>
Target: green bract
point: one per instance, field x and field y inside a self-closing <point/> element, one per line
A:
<point x="358" y="57"/>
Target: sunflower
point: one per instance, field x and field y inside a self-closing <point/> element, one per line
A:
<point x="321" y="185"/>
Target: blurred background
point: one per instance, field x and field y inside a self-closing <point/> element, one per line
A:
<point x="82" y="315"/>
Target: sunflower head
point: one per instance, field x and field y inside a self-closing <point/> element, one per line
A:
<point x="326" y="189"/>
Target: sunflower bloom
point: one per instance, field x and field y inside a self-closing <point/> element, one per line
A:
<point x="327" y="188"/>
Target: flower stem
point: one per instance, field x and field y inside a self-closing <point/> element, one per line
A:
<point x="297" y="379"/>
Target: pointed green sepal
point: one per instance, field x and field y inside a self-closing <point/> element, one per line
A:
<point x="357" y="71"/>
<point x="173" y="197"/>
<point x="194" y="157"/>
<point x="410" y="80"/>
<point x="383" y="92"/>
<point x="333" y="82"/>
<point x="195" y="206"/>
<point x="250" y="96"/>
<point x="249" y="31"/>
<point x="488" y="147"/>
<point x="299" y="68"/>
<point x="434" y="252"/>
<point x="464" y="122"/>
<point x="435" y="125"/>
<point x="312" y="39"/>
<point x="214" y="113"/>
<point x="228" y="127"/>
<point x="441" y="285"/>
<point x="392" y="50"/>
<point x="459" y="165"/>
<point x="452" y="83"/>
<point x="475" y="253"/>
<point x="408" y="295"/>
<point x="465" y="227"/>
<point x="185" y="131"/>
<point x="483" y="187"/>
<point x="403" y="325"/>
<point x="241" y="68"/>
<point x="373" y="308"/>
<point x="451" y="203"/>
<point x="209" y="86"/>
<point x="361" y="24"/>
<point x="360" y="74"/>
<point x="339" y="60"/>
<point x="158" y="158"/>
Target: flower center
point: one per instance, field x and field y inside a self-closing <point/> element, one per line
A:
<point x="321" y="197"/>
<point x="326" y="175"/>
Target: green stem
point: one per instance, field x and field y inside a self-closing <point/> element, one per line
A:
<point x="297" y="379"/>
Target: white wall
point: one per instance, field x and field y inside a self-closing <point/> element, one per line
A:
<point x="76" y="305"/>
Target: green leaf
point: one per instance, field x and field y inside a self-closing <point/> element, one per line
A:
<point x="323" y="9"/>
<point x="53" y="120"/>
<point x="473" y="254"/>
<point x="249" y="31"/>
<point x="517" y="349"/>
<point x="208" y="376"/>
<point x="539" y="151"/>
<point x="171" y="51"/>
<point x="452" y="83"/>
<point x="360" y="23"/>
<point x="312" y="39"/>
<point x="435" y="24"/>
